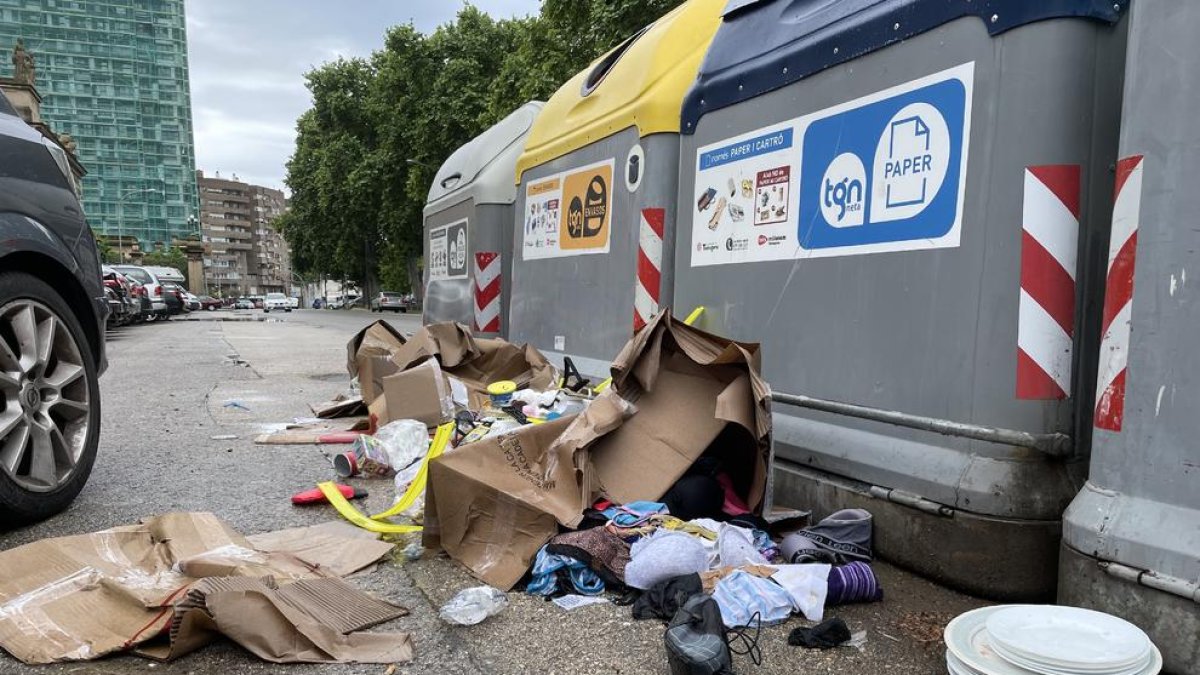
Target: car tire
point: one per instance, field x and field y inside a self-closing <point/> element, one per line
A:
<point x="26" y="497"/>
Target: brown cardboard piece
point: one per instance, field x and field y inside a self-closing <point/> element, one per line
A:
<point x="676" y="390"/>
<point x="81" y="597"/>
<point x="311" y="621"/>
<point x="338" y="548"/>
<point x="369" y="354"/>
<point x="419" y="393"/>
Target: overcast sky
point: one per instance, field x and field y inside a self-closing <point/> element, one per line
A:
<point x="248" y="59"/>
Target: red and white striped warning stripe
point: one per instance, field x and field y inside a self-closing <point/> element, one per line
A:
<point x="1049" y="247"/>
<point x="487" y="292"/>
<point x="1118" y="295"/>
<point x="649" y="267"/>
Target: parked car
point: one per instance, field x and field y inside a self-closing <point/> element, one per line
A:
<point x="243" y="303"/>
<point x="276" y="301"/>
<point x="154" y="289"/>
<point x="173" y="294"/>
<point x="124" y="298"/>
<point x="258" y="301"/>
<point x="208" y="302"/>
<point x="295" y="302"/>
<point x="49" y="279"/>
<point x="388" y="301"/>
<point x="193" y="301"/>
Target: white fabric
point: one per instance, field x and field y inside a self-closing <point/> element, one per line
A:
<point x="807" y="585"/>
<point x="664" y="555"/>
<point x="735" y="547"/>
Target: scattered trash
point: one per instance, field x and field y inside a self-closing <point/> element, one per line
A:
<point x="569" y="602"/>
<point x="472" y="605"/>
<point x="223" y="437"/>
<point x="695" y="639"/>
<point x="236" y="405"/>
<point x="825" y="635"/>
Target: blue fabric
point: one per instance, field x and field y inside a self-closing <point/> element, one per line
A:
<point x="545" y="579"/>
<point x="633" y="513"/>
<point x="766" y="546"/>
<point x="741" y="595"/>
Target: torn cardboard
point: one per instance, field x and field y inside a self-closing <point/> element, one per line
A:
<point x="325" y="432"/>
<point x="335" y="547"/>
<point x="677" y="392"/>
<point x="369" y="357"/>
<point x="312" y="621"/>
<point x="84" y="596"/>
<point x="341" y="406"/>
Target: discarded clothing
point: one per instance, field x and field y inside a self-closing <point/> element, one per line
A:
<point x="735" y="547"/>
<point x="853" y="582"/>
<point x="548" y="572"/>
<point x="710" y="578"/>
<point x="634" y="513"/>
<point x="841" y="537"/>
<point x="733" y="504"/>
<point x="825" y="635"/>
<point x="767" y="546"/>
<point x="695" y="640"/>
<point x="664" y="555"/>
<point x="603" y="552"/>
<point x="807" y="585"/>
<point x="664" y="598"/>
<point x="654" y="523"/>
<point x="695" y="497"/>
<point x="746" y="600"/>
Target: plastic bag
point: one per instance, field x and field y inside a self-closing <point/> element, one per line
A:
<point x="472" y="605"/>
<point x="404" y="441"/>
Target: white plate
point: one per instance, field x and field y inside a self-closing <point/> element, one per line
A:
<point x="967" y="640"/>
<point x="1043" y="669"/>
<point x="1068" y="637"/>
<point x="956" y="667"/>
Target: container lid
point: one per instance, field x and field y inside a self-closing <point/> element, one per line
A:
<point x="640" y="83"/>
<point x="763" y="45"/>
<point x="482" y="167"/>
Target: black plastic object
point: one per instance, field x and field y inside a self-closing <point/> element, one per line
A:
<point x="573" y="380"/>
<point x="762" y="45"/>
<point x="695" y="639"/>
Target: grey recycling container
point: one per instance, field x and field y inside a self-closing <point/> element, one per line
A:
<point x="907" y="203"/>
<point x="468" y="220"/>
<point x="596" y="198"/>
<point x="1131" y="538"/>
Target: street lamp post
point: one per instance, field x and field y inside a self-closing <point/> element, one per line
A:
<point x="121" y="215"/>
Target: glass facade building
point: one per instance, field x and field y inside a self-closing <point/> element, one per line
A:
<point x="114" y="75"/>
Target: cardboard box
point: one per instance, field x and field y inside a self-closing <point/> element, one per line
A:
<point x="677" y="392"/>
<point x="420" y="393"/>
<point x="369" y="357"/>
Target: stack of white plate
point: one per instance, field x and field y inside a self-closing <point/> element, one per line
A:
<point x="1047" y="640"/>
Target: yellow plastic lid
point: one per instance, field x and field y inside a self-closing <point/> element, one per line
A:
<point x="502" y="387"/>
<point x="641" y="83"/>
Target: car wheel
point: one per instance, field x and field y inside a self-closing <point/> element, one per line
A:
<point x="50" y="399"/>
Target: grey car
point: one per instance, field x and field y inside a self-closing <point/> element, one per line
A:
<point x="52" y="316"/>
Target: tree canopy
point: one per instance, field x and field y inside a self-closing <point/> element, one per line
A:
<point x="379" y="127"/>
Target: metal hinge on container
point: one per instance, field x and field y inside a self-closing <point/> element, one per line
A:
<point x="911" y="500"/>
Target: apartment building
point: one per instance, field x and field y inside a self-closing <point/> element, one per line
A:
<point x="245" y="256"/>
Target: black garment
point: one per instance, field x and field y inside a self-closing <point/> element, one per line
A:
<point x="825" y="635"/>
<point x="664" y="599"/>
<point x="695" y="496"/>
<point x="695" y="640"/>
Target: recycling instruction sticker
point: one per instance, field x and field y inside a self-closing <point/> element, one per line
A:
<point x="448" y="251"/>
<point x="884" y="172"/>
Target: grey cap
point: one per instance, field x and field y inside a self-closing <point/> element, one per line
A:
<point x="839" y="538"/>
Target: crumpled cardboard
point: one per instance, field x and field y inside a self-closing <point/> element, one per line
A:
<point x="310" y="621"/>
<point x="369" y="357"/>
<point x="340" y="406"/>
<point x="81" y="597"/>
<point x="477" y="362"/>
<point x="676" y="392"/>
<point x="336" y="547"/>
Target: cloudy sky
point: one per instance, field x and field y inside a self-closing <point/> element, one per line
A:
<point x="248" y="58"/>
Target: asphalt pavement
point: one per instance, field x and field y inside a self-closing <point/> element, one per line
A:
<point x="173" y="394"/>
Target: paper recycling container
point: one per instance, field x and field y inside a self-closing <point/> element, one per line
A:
<point x="1131" y="538"/>
<point x="468" y="227"/>
<point x="596" y="198"/>
<point x="907" y="203"/>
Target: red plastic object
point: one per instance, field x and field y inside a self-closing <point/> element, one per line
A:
<point x="314" y="495"/>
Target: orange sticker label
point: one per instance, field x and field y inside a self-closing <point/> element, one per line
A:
<point x="587" y="208"/>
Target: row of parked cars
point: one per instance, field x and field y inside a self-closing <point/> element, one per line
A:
<point x="140" y="294"/>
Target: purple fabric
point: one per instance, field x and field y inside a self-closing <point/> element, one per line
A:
<point x="853" y="582"/>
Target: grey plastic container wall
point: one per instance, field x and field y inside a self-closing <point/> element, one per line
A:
<point x="473" y="194"/>
<point x="1132" y="536"/>
<point x="582" y="306"/>
<point x="927" y="326"/>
